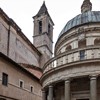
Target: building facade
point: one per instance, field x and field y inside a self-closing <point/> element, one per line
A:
<point x="21" y="61"/>
<point x="74" y="71"/>
<point x="17" y="83"/>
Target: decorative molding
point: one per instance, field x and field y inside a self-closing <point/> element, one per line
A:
<point x="67" y="36"/>
<point x="69" y="72"/>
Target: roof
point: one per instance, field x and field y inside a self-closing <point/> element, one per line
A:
<point x="36" y="71"/>
<point x="11" y="22"/>
<point x="84" y="18"/>
<point x="18" y="66"/>
<point x="43" y="10"/>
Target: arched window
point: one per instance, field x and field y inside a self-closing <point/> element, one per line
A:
<point x="97" y="41"/>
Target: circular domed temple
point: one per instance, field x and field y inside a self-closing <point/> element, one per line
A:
<point x="74" y="72"/>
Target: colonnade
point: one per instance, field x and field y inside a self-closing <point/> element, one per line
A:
<point x="93" y="90"/>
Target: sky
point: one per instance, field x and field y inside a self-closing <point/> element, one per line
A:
<point x="61" y="11"/>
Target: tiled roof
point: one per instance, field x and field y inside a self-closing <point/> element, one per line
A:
<point x="19" y="66"/>
<point x="36" y="71"/>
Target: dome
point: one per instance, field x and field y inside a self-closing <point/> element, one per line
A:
<point x="87" y="17"/>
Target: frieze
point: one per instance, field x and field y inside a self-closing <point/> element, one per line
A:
<point x="75" y="33"/>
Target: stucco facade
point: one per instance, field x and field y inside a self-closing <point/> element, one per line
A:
<point x="17" y="73"/>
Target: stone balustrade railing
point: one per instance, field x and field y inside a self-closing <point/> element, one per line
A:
<point x="77" y="55"/>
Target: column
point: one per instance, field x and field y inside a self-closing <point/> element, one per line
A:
<point x="50" y="92"/>
<point x="67" y="90"/>
<point x="93" y="87"/>
<point x="43" y="95"/>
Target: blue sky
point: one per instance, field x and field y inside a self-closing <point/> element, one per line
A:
<point x="61" y="11"/>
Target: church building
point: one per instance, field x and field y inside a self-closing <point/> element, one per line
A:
<point x="29" y="72"/>
<point x="21" y="61"/>
<point x="74" y="71"/>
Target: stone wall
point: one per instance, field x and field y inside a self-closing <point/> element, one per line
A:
<point x="16" y="47"/>
<point x="3" y="39"/>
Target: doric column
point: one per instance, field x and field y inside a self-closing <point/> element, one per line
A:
<point x="43" y="95"/>
<point x="93" y="87"/>
<point x="50" y="92"/>
<point x="67" y="90"/>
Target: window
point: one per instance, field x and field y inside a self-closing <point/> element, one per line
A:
<point x="4" y="79"/>
<point x="82" y="54"/>
<point x="31" y="88"/>
<point x="49" y="29"/>
<point x="40" y="26"/>
<point x="21" y="84"/>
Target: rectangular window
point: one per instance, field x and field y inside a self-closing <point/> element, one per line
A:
<point x="21" y="84"/>
<point x="49" y="29"/>
<point x="82" y="54"/>
<point x="5" y="79"/>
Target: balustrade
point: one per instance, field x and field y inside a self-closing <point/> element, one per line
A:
<point x="72" y="56"/>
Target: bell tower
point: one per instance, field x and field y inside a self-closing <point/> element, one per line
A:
<point x="43" y="33"/>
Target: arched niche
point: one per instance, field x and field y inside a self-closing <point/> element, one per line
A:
<point x="82" y="43"/>
<point x="69" y="47"/>
<point x="97" y="41"/>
